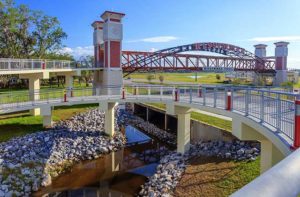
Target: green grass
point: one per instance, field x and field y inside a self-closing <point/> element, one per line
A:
<point x="19" y="124"/>
<point x="243" y="173"/>
<point x="203" y="78"/>
<point x="204" y="118"/>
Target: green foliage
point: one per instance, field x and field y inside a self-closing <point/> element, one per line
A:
<point x="287" y="85"/>
<point x="218" y="77"/>
<point x="161" y="78"/>
<point x="150" y="77"/>
<point x="25" y="33"/>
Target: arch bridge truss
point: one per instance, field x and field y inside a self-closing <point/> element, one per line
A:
<point x="231" y="58"/>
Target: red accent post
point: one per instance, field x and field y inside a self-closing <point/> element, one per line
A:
<point x="297" y="125"/>
<point x="228" y="107"/>
<point x="176" y="95"/>
<point x="43" y="65"/>
<point x="123" y="93"/>
<point x="65" y="96"/>
<point x="200" y="92"/>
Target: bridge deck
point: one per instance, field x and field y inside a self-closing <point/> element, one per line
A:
<point x="273" y="110"/>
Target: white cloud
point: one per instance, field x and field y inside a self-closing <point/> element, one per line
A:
<point x="275" y="38"/>
<point x="77" y="52"/>
<point x="153" y="50"/>
<point x="157" y="39"/>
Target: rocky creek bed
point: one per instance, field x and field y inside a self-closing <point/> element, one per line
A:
<point x="31" y="161"/>
<point x="172" y="166"/>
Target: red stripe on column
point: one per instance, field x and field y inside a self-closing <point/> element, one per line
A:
<point x="279" y="63"/>
<point x="115" y="54"/>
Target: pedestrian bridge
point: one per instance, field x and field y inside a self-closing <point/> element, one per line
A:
<point x="258" y="114"/>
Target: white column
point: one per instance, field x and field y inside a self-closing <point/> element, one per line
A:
<point x="34" y="89"/>
<point x="46" y="113"/>
<point x="109" y="118"/>
<point x="183" y="128"/>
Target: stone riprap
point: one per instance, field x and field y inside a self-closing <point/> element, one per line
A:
<point x="172" y="166"/>
<point x="167" y="176"/>
<point x="31" y="161"/>
<point x="235" y="150"/>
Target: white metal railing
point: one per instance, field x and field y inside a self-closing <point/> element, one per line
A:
<point x="277" y="109"/>
<point x="38" y="64"/>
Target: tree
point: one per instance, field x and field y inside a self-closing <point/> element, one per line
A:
<point x="150" y="77"/>
<point x="218" y="77"/>
<point x="25" y="33"/>
<point x="288" y="85"/>
<point x="161" y="78"/>
<point x="47" y="34"/>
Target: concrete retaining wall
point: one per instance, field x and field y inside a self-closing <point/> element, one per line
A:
<point x="199" y="130"/>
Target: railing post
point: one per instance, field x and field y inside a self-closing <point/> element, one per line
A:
<point x="191" y="95"/>
<point x="215" y="96"/>
<point x="43" y="65"/>
<point x="278" y="111"/>
<point x="200" y="92"/>
<point x="176" y="95"/>
<point x="32" y="64"/>
<point x="297" y="124"/>
<point x="262" y="106"/>
<point x="247" y="96"/>
<point x="149" y="91"/>
<point x="65" y="96"/>
<point x="204" y="95"/>
<point x="161" y="91"/>
<point x="134" y="90"/>
<point x="123" y="93"/>
<point x="228" y="104"/>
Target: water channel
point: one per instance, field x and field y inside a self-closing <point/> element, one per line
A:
<point x="117" y="174"/>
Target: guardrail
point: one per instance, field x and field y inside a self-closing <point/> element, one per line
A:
<point x="39" y="64"/>
<point x="274" y="108"/>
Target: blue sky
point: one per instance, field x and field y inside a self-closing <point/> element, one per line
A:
<point x="157" y="24"/>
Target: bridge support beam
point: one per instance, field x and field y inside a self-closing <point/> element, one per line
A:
<point x="109" y="120"/>
<point x="46" y="113"/>
<point x="270" y="154"/>
<point x="183" y="128"/>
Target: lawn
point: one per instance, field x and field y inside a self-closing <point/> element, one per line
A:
<point x="19" y="124"/>
<point x="211" y="176"/>
<point x="204" y="118"/>
<point x="203" y="77"/>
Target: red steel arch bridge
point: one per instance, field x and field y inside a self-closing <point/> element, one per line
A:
<point x="230" y="58"/>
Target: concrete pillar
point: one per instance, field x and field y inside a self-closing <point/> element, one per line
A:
<point x="34" y="89"/>
<point x="69" y="81"/>
<point x="98" y="56"/>
<point x="281" y="53"/>
<point x="46" y="113"/>
<point x="183" y="128"/>
<point x="112" y="37"/>
<point x="261" y="52"/>
<point x="109" y="120"/>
